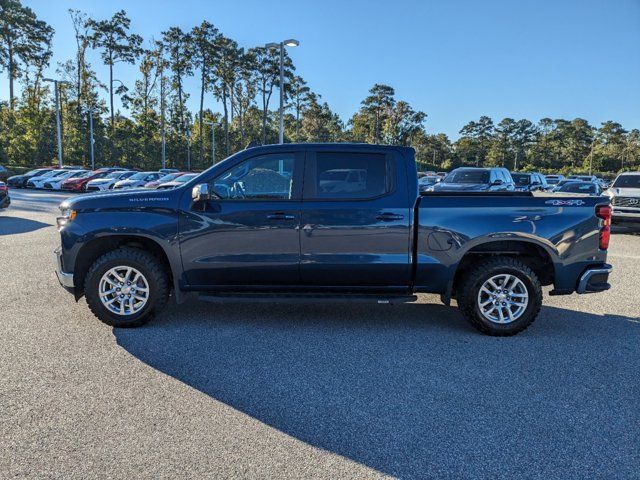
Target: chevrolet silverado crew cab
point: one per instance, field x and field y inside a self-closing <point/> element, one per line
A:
<point x="330" y="221"/>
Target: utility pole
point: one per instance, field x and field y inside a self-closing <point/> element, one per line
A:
<point x="58" y="121"/>
<point x="162" y="121"/>
<point x="91" y="141"/>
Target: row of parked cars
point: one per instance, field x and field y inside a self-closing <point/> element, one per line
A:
<point x="469" y="179"/>
<point x="624" y="191"/>
<point x="76" y="179"/>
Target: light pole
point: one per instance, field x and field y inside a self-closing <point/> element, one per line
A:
<point x="285" y="43"/>
<point x="58" y="124"/>
<point x="213" y="141"/>
<point x="93" y="161"/>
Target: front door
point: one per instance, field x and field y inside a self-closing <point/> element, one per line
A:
<point x="248" y="234"/>
<point x="355" y="221"/>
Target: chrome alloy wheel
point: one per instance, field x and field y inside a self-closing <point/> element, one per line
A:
<point x="503" y="298"/>
<point x="124" y="290"/>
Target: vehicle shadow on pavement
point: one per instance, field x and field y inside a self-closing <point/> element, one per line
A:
<point x="13" y="225"/>
<point x="411" y="390"/>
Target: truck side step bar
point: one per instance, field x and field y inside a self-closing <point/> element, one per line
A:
<point x="305" y="298"/>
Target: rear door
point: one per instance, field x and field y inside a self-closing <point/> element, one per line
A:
<point x="355" y="219"/>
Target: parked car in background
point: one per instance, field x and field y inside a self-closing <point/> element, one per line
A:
<point x="169" y="177"/>
<point x="4" y="173"/>
<point x="168" y="170"/>
<point x="625" y="197"/>
<point x="554" y="179"/>
<point x="5" y="199"/>
<point x="137" y="180"/>
<point x="425" y="183"/>
<point x="529" y="181"/>
<point x="109" y="180"/>
<point x="38" y="180"/>
<point x="472" y="179"/>
<point x="584" y="178"/>
<point x="79" y="183"/>
<point x="182" y="179"/>
<point x="56" y="182"/>
<point x="586" y="188"/>
<point x="20" y="181"/>
<point x="441" y="174"/>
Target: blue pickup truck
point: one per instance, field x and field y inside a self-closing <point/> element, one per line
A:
<point x="332" y="222"/>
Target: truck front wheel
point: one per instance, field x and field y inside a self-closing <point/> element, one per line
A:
<point x="500" y="296"/>
<point x="126" y="287"/>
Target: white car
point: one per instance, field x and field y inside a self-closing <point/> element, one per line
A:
<point x="55" y="183"/>
<point x="625" y="197"/>
<point x="38" y="181"/>
<point x="107" y="183"/>
<point x="137" y="181"/>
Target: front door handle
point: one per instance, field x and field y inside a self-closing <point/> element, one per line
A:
<point x="280" y="216"/>
<point x="389" y="217"/>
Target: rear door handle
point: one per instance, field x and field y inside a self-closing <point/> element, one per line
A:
<point x="389" y="217"/>
<point x="280" y="216"/>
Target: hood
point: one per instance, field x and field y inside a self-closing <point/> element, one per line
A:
<point x="122" y="200"/>
<point x="460" y="187"/>
<point x="625" y="192"/>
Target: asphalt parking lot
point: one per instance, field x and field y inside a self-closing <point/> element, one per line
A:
<point x="310" y="391"/>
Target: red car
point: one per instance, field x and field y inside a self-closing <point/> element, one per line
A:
<point x="79" y="184"/>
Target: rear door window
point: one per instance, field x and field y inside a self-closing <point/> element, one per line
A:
<point x="338" y="175"/>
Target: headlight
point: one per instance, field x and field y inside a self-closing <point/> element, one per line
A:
<point x="66" y="216"/>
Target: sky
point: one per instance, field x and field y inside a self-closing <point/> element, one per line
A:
<point x="455" y="60"/>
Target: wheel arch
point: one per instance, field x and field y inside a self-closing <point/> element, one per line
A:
<point x="98" y="246"/>
<point x="533" y="254"/>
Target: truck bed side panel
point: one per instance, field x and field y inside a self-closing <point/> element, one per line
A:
<point x="449" y="226"/>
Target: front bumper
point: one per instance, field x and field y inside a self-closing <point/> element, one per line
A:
<point x="625" y="214"/>
<point x="65" y="278"/>
<point x="595" y="279"/>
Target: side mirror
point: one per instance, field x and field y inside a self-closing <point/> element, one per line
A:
<point x="200" y="193"/>
<point x="497" y="182"/>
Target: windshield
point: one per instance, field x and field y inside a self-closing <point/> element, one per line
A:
<point x="468" y="176"/>
<point x="140" y="175"/>
<point x="82" y="174"/>
<point x="521" y="178"/>
<point x="113" y="175"/>
<point x="185" y="178"/>
<point x="428" y="180"/>
<point x="577" y="187"/>
<point x="627" y="181"/>
<point x="168" y="178"/>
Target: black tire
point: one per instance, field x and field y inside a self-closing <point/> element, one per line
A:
<point x="145" y="263"/>
<point x="467" y="295"/>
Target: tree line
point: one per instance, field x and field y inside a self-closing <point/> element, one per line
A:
<point x="244" y="81"/>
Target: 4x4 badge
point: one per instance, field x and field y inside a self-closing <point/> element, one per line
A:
<point x="565" y="203"/>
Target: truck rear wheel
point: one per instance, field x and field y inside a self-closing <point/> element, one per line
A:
<point x="126" y="287"/>
<point x="500" y="296"/>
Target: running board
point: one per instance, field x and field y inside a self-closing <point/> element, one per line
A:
<point x="305" y="298"/>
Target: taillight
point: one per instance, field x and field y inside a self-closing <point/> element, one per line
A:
<point x="604" y="212"/>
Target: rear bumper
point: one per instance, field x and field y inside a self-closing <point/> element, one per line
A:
<point x="595" y="279"/>
<point x="65" y="278"/>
